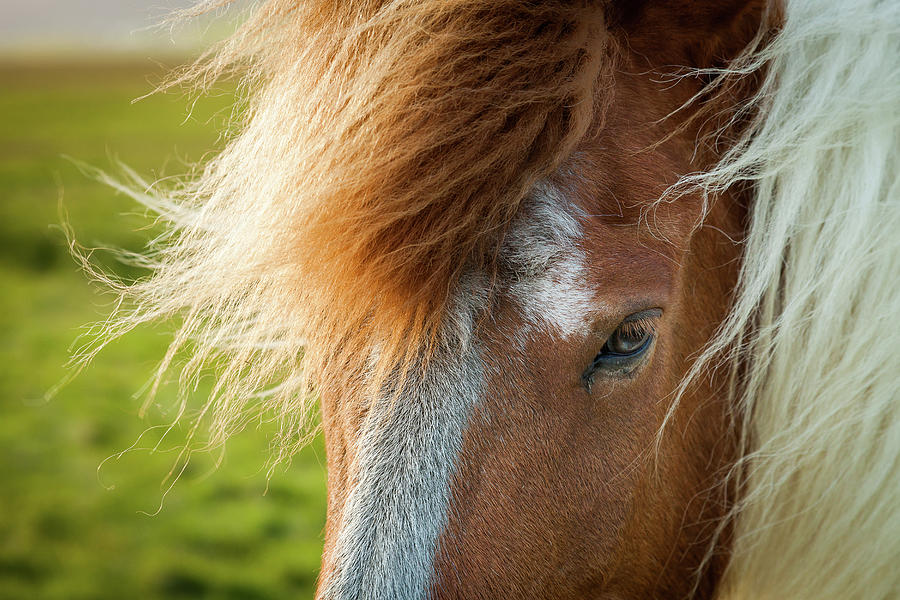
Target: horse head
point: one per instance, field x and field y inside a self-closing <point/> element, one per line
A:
<point x="516" y="449"/>
<point x="570" y="281"/>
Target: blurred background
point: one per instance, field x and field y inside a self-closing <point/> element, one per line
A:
<point x="80" y="518"/>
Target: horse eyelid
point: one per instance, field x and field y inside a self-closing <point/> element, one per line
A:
<point x="646" y="316"/>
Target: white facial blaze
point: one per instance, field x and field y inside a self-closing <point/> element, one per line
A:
<point x="550" y="282"/>
<point x="398" y="506"/>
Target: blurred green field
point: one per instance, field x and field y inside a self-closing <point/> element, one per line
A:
<point x="68" y="529"/>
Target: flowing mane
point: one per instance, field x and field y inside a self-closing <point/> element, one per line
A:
<point x="813" y="330"/>
<point x="388" y="145"/>
<point x="324" y="228"/>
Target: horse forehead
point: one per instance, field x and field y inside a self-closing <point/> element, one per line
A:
<point x="546" y="265"/>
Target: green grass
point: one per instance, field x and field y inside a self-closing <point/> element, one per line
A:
<point x="69" y="529"/>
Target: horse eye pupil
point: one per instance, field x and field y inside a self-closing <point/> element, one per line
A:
<point x="624" y="342"/>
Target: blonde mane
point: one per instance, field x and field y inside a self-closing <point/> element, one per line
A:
<point x="813" y="332"/>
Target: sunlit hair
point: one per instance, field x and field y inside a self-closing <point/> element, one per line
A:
<point x="385" y="147"/>
<point x="813" y="333"/>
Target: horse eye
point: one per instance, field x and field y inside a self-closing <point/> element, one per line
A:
<point x="625" y="347"/>
<point x="625" y="341"/>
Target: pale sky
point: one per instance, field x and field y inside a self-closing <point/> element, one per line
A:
<point x="88" y="24"/>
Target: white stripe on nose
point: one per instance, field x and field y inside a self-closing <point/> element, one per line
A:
<point x="398" y="507"/>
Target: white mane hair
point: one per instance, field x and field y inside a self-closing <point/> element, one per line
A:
<point x="813" y="332"/>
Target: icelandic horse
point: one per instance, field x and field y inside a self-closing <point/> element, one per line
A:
<point x="595" y="299"/>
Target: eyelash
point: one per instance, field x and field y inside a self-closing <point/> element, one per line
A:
<point x="639" y="327"/>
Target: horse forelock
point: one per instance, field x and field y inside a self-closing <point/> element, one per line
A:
<point x="399" y="169"/>
<point x="384" y="151"/>
<point x="429" y="155"/>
